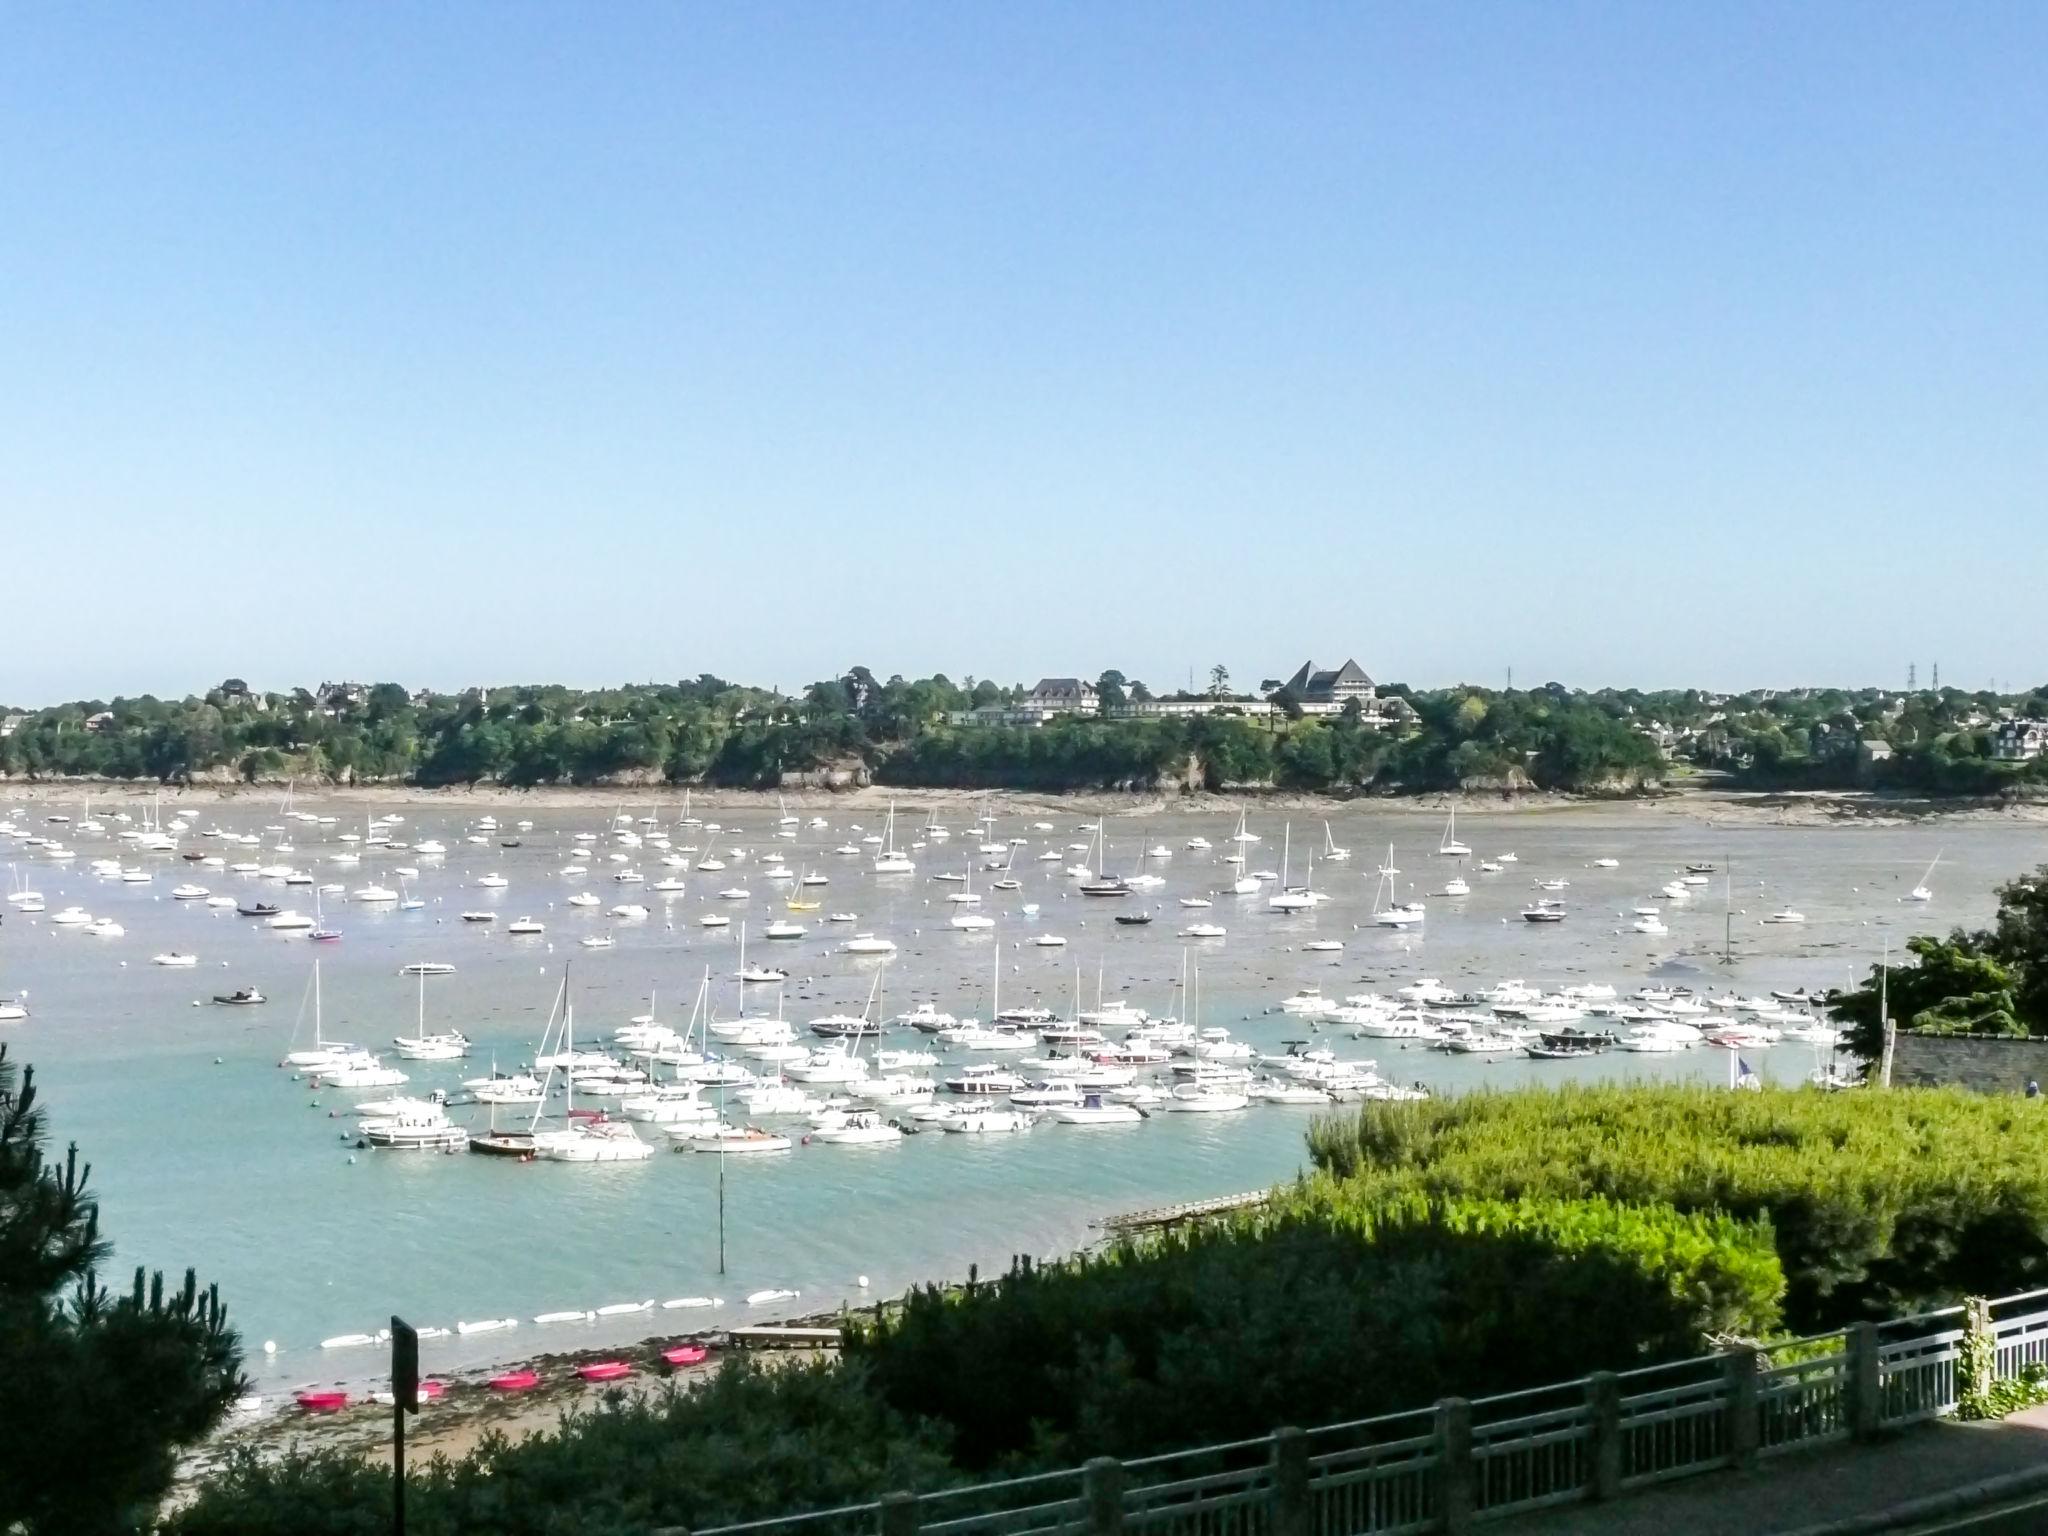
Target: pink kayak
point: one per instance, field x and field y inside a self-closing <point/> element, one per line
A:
<point x="515" y="1381"/>
<point x="604" y="1370"/>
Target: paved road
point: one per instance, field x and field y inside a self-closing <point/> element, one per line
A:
<point x="2024" y="1517"/>
<point x="1812" y="1487"/>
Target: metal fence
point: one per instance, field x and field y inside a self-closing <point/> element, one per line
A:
<point x="1461" y="1462"/>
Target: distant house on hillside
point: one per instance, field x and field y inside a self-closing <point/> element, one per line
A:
<point x="1326" y="692"/>
<point x="100" y="721"/>
<point x="1049" y="699"/>
<point x="2019" y="741"/>
<point x="1060" y="696"/>
<point x="335" y="697"/>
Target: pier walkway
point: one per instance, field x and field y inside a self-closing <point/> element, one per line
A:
<point x="1875" y="1486"/>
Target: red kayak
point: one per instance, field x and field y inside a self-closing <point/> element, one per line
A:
<point x="513" y="1381"/>
<point x="685" y="1354"/>
<point x="321" y="1402"/>
<point x="429" y="1390"/>
<point x="604" y="1370"/>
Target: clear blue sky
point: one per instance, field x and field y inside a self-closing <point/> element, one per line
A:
<point x="1624" y="343"/>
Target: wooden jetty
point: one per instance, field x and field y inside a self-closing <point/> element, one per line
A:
<point x="1187" y="1210"/>
<point x="778" y="1336"/>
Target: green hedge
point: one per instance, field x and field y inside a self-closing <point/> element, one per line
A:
<point x="1880" y="1202"/>
<point x="747" y="1442"/>
<point x="1326" y="1307"/>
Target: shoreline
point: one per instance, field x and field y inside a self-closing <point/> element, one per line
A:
<point x="455" y="1423"/>
<point x="1712" y="804"/>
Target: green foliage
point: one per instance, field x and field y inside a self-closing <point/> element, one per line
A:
<point x="1879" y="1203"/>
<point x="1954" y="989"/>
<point x="1992" y="982"/>
<point x="1325" y="1307"/>
<point x="747" y="1442"/>
<point x="100" y="1392"/>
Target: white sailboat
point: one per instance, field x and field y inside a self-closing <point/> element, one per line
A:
<point x="1387" y="912"/>
<point x="889" y="861"/>
<point x="1922" y="891"/>
<point x="1287" y="899"/>
<point x="1246" y="883"/>
<point x="1450" y="847"/>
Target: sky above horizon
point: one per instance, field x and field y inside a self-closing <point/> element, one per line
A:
<point x="454" y="343"/>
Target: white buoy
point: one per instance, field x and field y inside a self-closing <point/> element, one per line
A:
<point x="862" y="1281"/>
<point x="270" y="1346"/>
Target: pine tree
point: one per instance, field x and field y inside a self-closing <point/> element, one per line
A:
<point x="100" y="1392"/>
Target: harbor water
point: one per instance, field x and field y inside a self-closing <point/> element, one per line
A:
<point x="205" y="1153"/>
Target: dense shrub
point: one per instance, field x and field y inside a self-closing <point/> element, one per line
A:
<point x="1326" y="1307"/>
<point x="747" y="1442"/>
<point x="1880" y="1202"/>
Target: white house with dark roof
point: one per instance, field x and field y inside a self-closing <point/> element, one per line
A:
<point x="2019" y="741"/>
<point x="1326" y="690"/>
<point x="1048" y="700"/>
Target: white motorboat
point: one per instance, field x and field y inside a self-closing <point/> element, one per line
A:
<point x="730" y="1140"/>
<point x="358" y="1070"/>
<point x="868" y="944"/>
<point x="422" y="1127"/>
<point x="984" y="1080"/>
<point x="1786" y="915"/>
<point x="518" y="1088"/>
<point x="592" y="1141"/>
<point x="1202" y="1098"/>
<point x="174" y="960"/>
<point x="859" y="1129"/>
<point x="1094" y="1109"/>
<point x="449" y="1046"/>
<point x="1272" y="1090"/>
<point x="975" y="1122"/>
<point x="526" y="927"/>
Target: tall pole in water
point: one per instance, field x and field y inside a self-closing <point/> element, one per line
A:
<point x="1728" y="913"/>
<point x="721" y="1175"/>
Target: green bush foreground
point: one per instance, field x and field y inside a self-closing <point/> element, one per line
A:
<point x="1470" y="1247"/>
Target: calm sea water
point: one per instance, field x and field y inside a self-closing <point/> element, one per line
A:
<point x="205" y="1153"/>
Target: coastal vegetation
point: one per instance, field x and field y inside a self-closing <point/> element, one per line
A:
<point x="1878" y="1202"/>
<point x="101" y="1389"/>
<point x="1323" y="1307"/>
<point x="1466" y="1247"/>
<point x="1989" y="981"/>
<point x="912" y="733"/>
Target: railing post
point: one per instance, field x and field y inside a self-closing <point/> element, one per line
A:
<point x="1980" y="1347"/>
<point x="1290" y="1483"/>
<point x="1739" y="1374"/>
<point x="1866" y="1382"/>
<point x="898" y="1514"/>
<point x="1457" y="1483"/>
<point x="1603" y="1413"/>
<point x="1102" y="1492"/>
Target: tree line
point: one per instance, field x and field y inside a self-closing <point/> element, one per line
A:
<point x="895" y="731"/>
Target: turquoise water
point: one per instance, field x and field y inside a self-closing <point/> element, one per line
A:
<point x="205" y="1153"/>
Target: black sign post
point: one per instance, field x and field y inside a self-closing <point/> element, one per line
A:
<point x="405" y="1398"/>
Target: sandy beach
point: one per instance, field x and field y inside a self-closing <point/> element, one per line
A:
<point x="1702" y="804"/>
